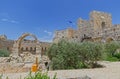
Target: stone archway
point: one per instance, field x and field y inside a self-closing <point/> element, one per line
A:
<point x="17" y="44"/>
<point x="22" y="37"/>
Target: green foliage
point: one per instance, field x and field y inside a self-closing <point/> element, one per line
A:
<point x="90" y="53"/>
<point x="110" y="48"/>
<point x="112" y="58"/>
<point x="117" y="55"/>
<point x="110" y="51"/>
<point x="4" y="53"/>
<point x="69" y="55"/>
<point x="39" y="75"/>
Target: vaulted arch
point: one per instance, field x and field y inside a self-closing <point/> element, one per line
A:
<point x="18" y="43"/>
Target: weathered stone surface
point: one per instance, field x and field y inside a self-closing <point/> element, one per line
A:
<point x="98" y="28"/>
<point x="4" y="59"/>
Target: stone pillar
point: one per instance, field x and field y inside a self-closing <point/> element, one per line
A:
<point x="15" y="49"/>
<point x="38" y="49"/>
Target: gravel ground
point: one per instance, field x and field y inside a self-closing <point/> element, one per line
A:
<point x="111" y="71"/>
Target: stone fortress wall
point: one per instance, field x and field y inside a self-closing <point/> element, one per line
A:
<point x="98" y="28"/>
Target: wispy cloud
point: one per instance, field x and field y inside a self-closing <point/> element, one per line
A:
<point x="8" y="20"/>
<point x="45" y="39"/>
<point x="48" y="37"/>
<point x="4" y="19"/>
<point x="49" y="33"/>
<point x="13" y="21"/>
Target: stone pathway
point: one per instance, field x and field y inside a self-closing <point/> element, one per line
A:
<point x="111" y="71"/>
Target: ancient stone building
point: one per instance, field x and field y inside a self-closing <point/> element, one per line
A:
<point x="69" y="34"/>
<point x="24" y="45"/>
<point x="6" y="43"/>
<point x="98" y="28"/>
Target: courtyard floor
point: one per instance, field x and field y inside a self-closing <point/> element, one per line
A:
<point x="110" y="71"/>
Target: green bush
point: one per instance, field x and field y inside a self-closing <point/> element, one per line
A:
<point x="110" y="48"/>
<point x="39" y="75"/>
<point x="4" y="53"/>
<point x="117" y="55"/>
<point x="70" y="55"/>
<point x="110" y="51"/>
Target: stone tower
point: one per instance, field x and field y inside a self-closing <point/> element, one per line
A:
<point x="100" y="20"/>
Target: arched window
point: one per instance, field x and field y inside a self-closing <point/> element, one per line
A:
<point x="26" y="48"/>
<point x="103" y="25"/>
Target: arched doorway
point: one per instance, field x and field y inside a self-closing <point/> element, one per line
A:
<point x="103" y="25"/>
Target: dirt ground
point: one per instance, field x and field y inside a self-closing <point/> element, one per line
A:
<point x="13" y="68"/>
<point x="110" y="71"/>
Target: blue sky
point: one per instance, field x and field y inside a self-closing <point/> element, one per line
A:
<point x="43" y="17"/>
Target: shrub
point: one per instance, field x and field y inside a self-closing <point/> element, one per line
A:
<point x="117" y="55"/>
<point x="90" y="53"/>
<point x="70" y="55"/>
<point x="110" y="48"/>
<point x="110" y="51"/>
<point x="4" y="53"/>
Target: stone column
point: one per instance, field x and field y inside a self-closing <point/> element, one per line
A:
<point x="38" y="49"/>
<point x="15" y="49"/>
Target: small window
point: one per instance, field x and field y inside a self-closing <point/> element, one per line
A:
<point x="35" y="48"/>
<point x="45" y="48"/>
<point x="42" y="50"/>
<point x="22" y="48"/>
<point x="26" y="48"/>
<point x="76" y="36"/>
<point x="7" y="48"/>
<point x="31" y="48"/>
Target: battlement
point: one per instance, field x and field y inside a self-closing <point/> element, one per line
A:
<point x="100" y="13"/>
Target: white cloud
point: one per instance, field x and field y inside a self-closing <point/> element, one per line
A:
<point x="13" y="21"/>
<point x="49" y="33"/>
<point x="4" y="19"/>
<point x="45" y="39"/>
<point x="8" y="20"/>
